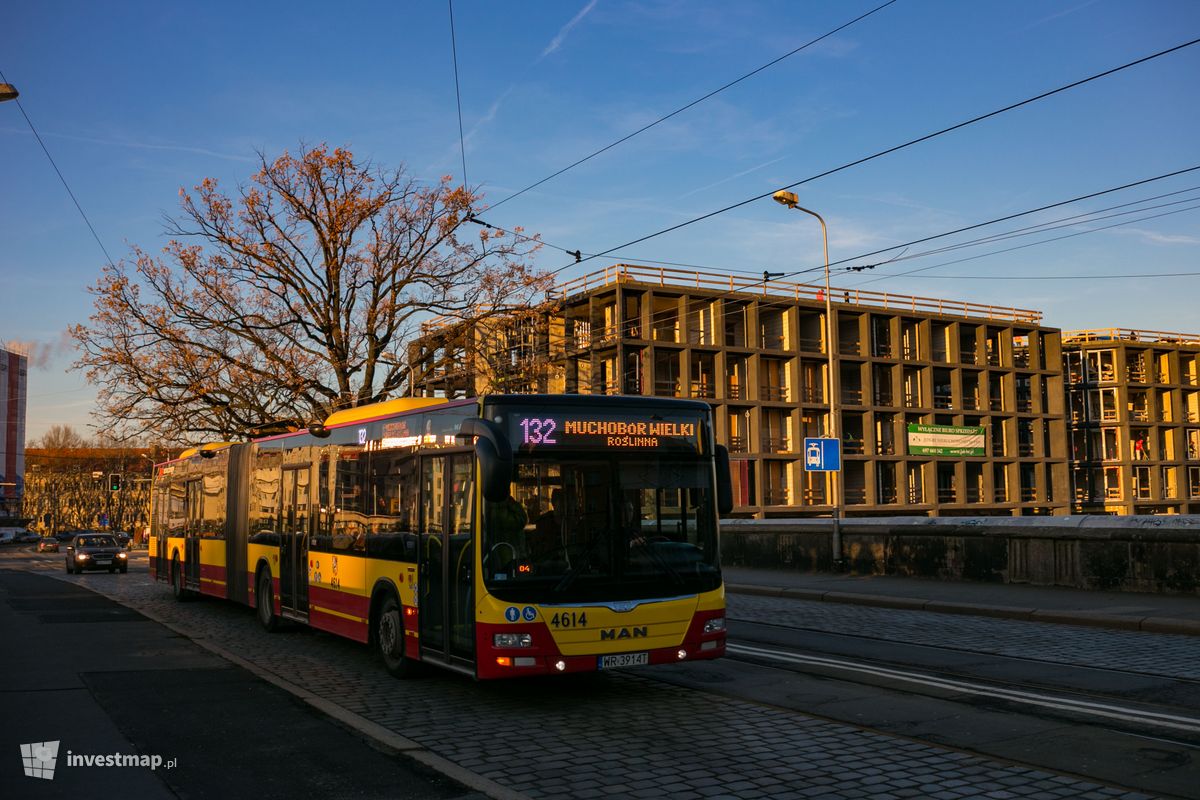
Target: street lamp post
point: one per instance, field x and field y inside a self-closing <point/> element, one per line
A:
<point x="790" y="200"/>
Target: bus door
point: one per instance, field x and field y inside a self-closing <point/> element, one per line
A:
<point x="160" y="514"/>
<point x="293" y="541"/>
<point x="191" y="541"/>
<point x="446" y="577"/>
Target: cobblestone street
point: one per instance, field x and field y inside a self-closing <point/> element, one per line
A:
<point x="612" y="735"/>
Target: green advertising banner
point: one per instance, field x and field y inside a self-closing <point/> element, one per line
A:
<point x="945" y="440"/>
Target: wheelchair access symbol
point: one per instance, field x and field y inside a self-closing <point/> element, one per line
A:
<point x="822" y="455"/>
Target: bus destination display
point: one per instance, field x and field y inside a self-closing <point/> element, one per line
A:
<point x="547" y="429"/>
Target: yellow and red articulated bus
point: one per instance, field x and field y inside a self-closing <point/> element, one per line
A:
<point x="501" y="536"/>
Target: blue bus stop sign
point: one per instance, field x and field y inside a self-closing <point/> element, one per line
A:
<point x="822" y="455"/>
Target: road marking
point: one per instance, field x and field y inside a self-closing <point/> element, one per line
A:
<point x="1153" y="718"/>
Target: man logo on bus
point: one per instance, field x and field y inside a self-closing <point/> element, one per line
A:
<point x="512" y="613"/>
<point x="623" y="633"/>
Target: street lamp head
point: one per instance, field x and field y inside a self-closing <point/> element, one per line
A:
<point x="784" y="197"/>
<point x="8" y="92"/>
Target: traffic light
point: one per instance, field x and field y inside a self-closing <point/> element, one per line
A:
<point x="114" y="482"/>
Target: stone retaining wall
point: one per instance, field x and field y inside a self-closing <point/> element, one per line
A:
<point x="1136" y="554"/>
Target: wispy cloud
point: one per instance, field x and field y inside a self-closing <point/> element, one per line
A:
<point x="178" y="148"/>
<point x="733" y="177"/>
<point x="492" y="111"/>
<point x="557" y="41"/>
<point x="1063" y="13"/>
<point x="1158" y="238"/>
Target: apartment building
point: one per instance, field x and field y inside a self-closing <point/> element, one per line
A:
<point x="1133" y="401"/>
<point x="758" y="352"/>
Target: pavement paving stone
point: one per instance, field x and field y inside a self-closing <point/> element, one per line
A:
<point x="769" y="752"/>
<point x="588" y="794"/>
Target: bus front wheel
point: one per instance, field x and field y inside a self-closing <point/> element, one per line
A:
<point x="389" y="639"/>
<point x="265" y="600"/>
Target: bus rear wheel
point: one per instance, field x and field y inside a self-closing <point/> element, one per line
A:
<point x="389" y="639"/>
<point x="264" y="598"/>
<point x="177" y="589"/>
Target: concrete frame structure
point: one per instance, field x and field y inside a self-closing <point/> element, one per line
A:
<point x="1126" y="386"/>
<point x="757" y="352"/>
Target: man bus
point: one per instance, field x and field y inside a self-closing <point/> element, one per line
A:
<point x="499" y="536"/>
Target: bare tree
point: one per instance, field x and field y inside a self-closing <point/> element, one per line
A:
<point x="294" y="298"/>
<point x="62" y="437"/>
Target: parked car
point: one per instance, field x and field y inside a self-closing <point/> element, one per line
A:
<point x="65" y="537"/>
<point x="30" y="537"/>
<point x="47" y="544"/>
<point x="8" y="536"/>
<point x="96" y="551"/>
<point x="122" y="538"/>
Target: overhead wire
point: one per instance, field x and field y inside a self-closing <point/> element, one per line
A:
<point x="750" y="286"/>
<point x="1029" y="230"/>
<point x="695" y="102"/>
<point x="1032" y="244"/>
<point x="896" y="148"/>
<point x="977" y="225"/>
<point x="462" y="142"/>
<point x="1046" y="227"/>
<point x="61" y="177"/>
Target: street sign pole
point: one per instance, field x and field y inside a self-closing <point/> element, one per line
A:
<point x="825" y="455"/>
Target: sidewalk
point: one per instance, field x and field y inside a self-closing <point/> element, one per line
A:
<point x="97" y="679"/>
<point x="1123" y="610"/>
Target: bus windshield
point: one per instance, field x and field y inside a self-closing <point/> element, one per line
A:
<point x="596" y="528"/>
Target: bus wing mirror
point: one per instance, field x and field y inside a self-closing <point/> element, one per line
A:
<point x="724" y="481"/>
<point x="495" y="457"/>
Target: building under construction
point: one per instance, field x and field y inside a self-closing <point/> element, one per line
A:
<point x="1133" y="399"/>
<point x="758" y="351"/>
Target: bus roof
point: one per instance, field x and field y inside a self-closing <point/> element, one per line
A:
<point x="384" y="409"/>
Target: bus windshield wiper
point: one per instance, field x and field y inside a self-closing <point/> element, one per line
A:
<point x="570" y="575"/>
<point x="662" y="562"/>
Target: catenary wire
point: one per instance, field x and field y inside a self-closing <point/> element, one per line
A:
<point x="462" y="142"/>
<point x="1030" y="244"/>
<point x="1005" y="218"/>
<point x="1026" y="231"/>
<point x="1098" y="215"/>
<point x="1065" y="277"/>
<point x="780" y="276"/>
<point x="895" y="148"/>
<point x="695" y="102"/>
<point x="58" y="171"/>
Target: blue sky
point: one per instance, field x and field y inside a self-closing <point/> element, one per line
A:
<point x="136" y="100"/>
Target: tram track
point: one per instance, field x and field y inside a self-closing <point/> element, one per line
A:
<point x="1056" y="701"/>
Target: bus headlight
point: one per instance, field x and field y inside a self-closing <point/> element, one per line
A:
<point x="714" y="625"/>
<point x="512" y="640"/>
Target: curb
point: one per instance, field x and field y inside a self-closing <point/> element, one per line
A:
<point x="1093" y="619"/>
<point x="356" y="722"/>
